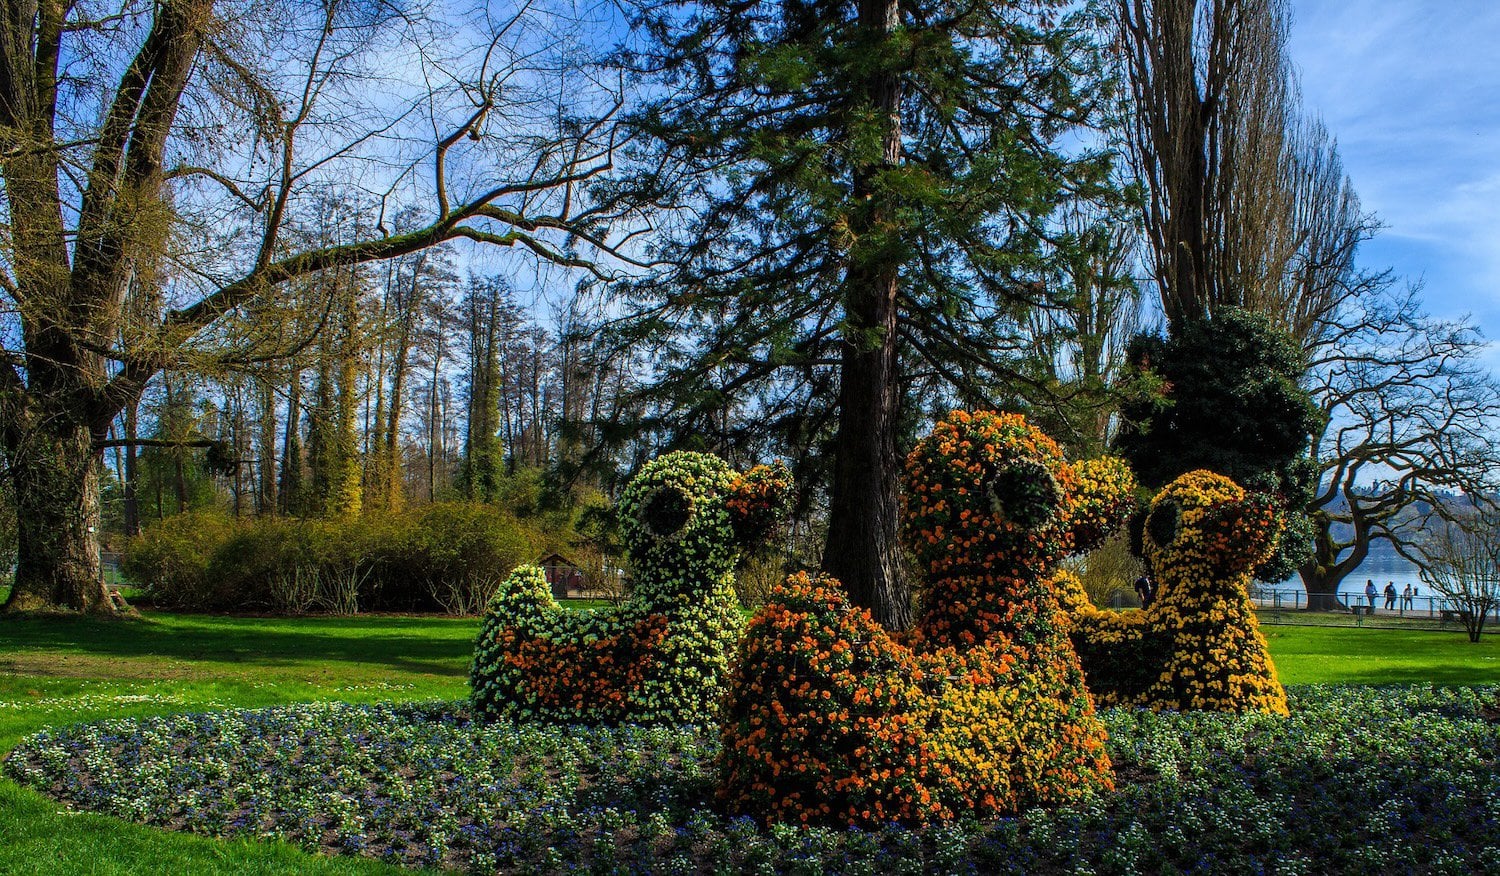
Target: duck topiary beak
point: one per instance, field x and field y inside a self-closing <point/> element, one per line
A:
<point x="758" y="502"/>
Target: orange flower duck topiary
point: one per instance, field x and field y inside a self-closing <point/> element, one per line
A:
<point x="982" y="708"/>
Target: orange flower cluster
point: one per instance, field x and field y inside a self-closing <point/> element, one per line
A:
<point x="594" y="677"/>
<point x="758" y="501"/>
<point x="981" y="709"/>
<point x="1199" y="645"/>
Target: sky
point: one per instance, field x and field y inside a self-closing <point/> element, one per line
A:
<point x="1411" y="90"/>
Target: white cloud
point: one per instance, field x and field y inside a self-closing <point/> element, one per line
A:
<point x="1412" y="92"/>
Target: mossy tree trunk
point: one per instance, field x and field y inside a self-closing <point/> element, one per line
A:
<point x="56" y="478"/>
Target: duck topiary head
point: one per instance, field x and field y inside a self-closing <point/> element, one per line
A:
<point x="989" y="492"/>
<point x="687" y="516"/>
<point x="1205" y="527"/>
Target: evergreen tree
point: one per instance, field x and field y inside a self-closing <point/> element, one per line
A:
<point x="867" y="192"/>
<point x="1224" y="394"/>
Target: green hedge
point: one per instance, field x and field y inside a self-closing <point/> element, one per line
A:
<point x="448" y="556"/>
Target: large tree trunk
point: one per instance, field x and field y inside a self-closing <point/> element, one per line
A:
<point x="864" y="547"/>
<point x="56" y="478"/>
<point x="864" y="513"/>
<point x="1325" y="571"/>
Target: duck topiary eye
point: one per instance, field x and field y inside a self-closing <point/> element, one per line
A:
<point x="1025" y="493"/>
<point x="666" y="512"/>
<point x="1161" y="525"/>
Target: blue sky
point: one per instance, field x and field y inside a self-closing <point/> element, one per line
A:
<point x="1411" y="89"/>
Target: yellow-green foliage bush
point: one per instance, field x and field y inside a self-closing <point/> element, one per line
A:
<point x="1198" y="646"/>
<point x="982" y="708"/>
<point x="660" y="657"/>
<point x="447" y="556"/>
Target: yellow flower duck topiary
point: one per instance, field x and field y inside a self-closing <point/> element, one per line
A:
<point x="1198" y="645"/>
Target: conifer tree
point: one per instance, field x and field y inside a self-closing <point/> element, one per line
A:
<point x="866" y="192"/>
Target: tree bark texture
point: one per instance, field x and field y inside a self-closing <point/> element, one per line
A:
<point x="864" y="516"/>
<point x="57" y="497"/>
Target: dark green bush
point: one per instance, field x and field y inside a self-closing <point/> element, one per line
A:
<point x="449" y="557"/>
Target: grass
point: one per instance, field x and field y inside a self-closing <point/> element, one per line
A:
<point x="58" y="671"/>
<point x="1369" y="655"/>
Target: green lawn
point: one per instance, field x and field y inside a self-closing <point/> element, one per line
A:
<point x="62" y="671"/>
<point x="1367" y="655"/>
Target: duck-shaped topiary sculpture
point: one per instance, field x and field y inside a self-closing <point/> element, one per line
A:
<point x="982" y="707"/>
<point x="661" y="656"/>
<point x="1198" y="645"/>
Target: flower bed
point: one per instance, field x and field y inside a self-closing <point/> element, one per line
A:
<point x="1356" y="780"/>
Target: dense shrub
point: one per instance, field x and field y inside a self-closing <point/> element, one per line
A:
<point x="455" y="554"/>
<point x="448" y="556"/>
<point x="171" y="561"/>
<point x="1225" y="394"/>
<point x="981" y="710"/>
<point x="661" y="655"/>
<point x="1198" y="646"/>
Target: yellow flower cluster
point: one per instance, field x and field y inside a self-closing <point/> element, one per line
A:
<point x="982" y="708"/>
<point x="1105" y="499"/>
<point x="1198" y="646"/>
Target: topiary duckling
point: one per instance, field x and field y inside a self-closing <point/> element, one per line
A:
<point x="1198" y="645"/>
<point x="982" y="708"/>
<point x="661" y="656"/>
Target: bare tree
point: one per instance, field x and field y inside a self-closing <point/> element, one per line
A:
<point x="1245" y="200"/>
<point x="1411" y="419"/>
<point x="1080" y="340"/>
<point x="1208" y="89"/>
<point x="132" y="133"/>
<point x="1460" y="559"/>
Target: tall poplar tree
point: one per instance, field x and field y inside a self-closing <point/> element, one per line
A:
<point x="486" y="308"/>
<point x="866" y="192"/>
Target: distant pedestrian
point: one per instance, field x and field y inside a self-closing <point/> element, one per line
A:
<point x="1371" y="593"/>
<point x="1406" y="598"/>
<point x="1145" y="590"/>
<point x="1390" y="595"/>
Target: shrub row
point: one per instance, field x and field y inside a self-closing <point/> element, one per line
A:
<point x="449" y="556"/>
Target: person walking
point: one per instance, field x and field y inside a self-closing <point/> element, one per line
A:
<point x="1406" y="598"/>
<point x="1145" y="590"/>
<point x="1390" y="596"/>
<point x="1371" y="593"/>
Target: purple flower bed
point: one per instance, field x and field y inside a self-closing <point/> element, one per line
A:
<point x="1358" y="780"/>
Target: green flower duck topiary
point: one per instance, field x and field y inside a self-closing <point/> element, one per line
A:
<point x="661" y="656"/>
